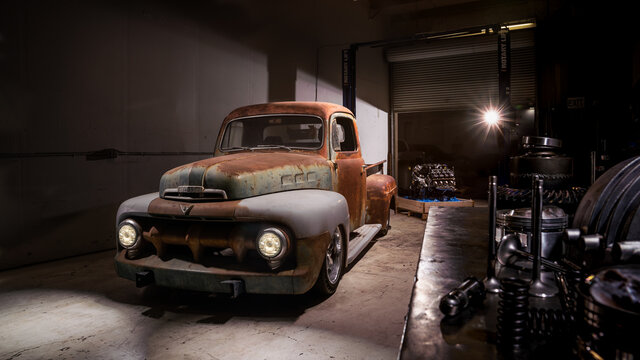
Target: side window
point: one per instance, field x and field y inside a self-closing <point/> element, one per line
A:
<point x="234" y="135"/>
<point x="343" y="136"/>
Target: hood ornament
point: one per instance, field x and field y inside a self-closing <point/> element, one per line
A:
<point x="186" y="209"/>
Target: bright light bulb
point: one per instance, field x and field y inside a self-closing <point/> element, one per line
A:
<point x="491" y="117"/>
<point x="269" y="244"/>
<point x="127" y="235"/>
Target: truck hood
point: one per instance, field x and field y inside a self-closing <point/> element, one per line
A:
<point x="244" y="175"/>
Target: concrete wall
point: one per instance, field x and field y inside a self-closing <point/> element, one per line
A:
<point x="151" y="78"/>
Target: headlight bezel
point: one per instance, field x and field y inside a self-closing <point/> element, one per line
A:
<point x="284" y="244"/>
<point x="136" y="227"/>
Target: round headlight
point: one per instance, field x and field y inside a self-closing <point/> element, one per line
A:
<point x="271" y="243"/>
<point x="128" y="234"/>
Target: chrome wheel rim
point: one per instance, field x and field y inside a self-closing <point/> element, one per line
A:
<point x="334" y="256"/>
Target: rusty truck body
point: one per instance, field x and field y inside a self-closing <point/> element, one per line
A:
<point x="285" y="204"/>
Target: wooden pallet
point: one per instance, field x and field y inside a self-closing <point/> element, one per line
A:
<point x="422" y="208"/>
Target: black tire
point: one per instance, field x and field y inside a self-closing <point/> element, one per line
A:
<point x="385" y="230"/>
<point x="333" y="265"/>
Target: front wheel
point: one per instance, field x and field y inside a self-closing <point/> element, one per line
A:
<point x="332" y="266"/>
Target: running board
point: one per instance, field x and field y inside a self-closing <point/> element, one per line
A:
<point x="365" y="234"/>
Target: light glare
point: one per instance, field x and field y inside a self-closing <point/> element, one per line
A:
<point x="491" y="117"/>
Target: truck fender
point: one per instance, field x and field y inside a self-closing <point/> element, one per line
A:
<point x="136" y="206"/>
<point x="305" y="212"/>
<point x="381" y="194"/>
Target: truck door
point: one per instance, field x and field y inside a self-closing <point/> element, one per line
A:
<point x="345" y="152"/>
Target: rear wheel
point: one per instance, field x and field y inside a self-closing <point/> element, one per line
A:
<point x="332" y="266"/>
<point x="385" y="229"/>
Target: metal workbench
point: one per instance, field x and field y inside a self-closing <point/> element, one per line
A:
<point x="454" y="247"/>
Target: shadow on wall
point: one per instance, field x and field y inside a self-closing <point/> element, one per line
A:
<point x="142" y="76"/>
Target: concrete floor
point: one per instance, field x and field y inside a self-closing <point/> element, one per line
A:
<point x="78" y="309"/>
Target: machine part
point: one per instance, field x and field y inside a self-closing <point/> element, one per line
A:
<point x="610" y="191"/>
<point x="491" y="283"/>
<point x="625" y="251"/>
<point x="433" y="181"/>
<point x="555" y="170"/>
<point x="608" y="313"/>
<point x="592" y="171"/>
<point x="590" y="242"/>
<point x="538" y="288"/>
<point x="566" y="285"/>
<point x="549" y="323"/>
<point x="518" y="221"/>
<point x="513" y="317"/>
<point x="471" y="291"/>
<point x="541" y="142"/>
<point x="610" y="209"/>
<point x="566" y="198"/>
<point x="509" y="253"/>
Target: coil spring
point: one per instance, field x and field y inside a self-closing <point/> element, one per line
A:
<point x="549" y="323"/>
<point x="513" y="316"/>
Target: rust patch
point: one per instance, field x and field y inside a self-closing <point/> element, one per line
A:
<point x="197" y="237"/>
<point x="310" y="253"/>
<point x="210" y="162"/>
<point x="222" y="209"/>
<point x="321" y="109"/>
<point x="351" y="184"/>
<point x="267" y="161"/>
<point x="380" y="192"/>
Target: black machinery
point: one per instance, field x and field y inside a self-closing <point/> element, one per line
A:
<point x="586" y="278"/>
<point x="540" y="158"/>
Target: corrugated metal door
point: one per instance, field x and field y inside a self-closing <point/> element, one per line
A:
<point x="457" y="74"/>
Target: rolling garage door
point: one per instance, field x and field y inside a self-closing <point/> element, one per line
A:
<point x="456" y="74"/>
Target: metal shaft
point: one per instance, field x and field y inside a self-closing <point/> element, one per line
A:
<point x="550" y="264"/>
<point x="491" y="283"/>
<point x="536" y="219"/>
<point x="538" y="287"/>
<point x="509" y="251"/>
<point x="493" y="189"/>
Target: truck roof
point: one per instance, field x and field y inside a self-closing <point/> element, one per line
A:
<point x="322" y="109"/>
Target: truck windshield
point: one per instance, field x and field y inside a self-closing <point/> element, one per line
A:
<point x="286" y="131"/>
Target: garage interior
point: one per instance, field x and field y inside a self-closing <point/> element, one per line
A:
<point x="98" y="99"/>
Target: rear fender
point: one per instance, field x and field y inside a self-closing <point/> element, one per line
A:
<point x="381" y="193"/>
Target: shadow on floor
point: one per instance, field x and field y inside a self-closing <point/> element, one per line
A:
<point x="218" y="308"/>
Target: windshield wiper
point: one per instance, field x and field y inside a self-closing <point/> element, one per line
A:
<point x="262" y="146"/>
<point x="236" y="148"/>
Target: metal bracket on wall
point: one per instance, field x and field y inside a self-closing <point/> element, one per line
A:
<point x="349" y="78"/>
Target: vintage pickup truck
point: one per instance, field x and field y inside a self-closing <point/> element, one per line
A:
<point x="285" y="205"/>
